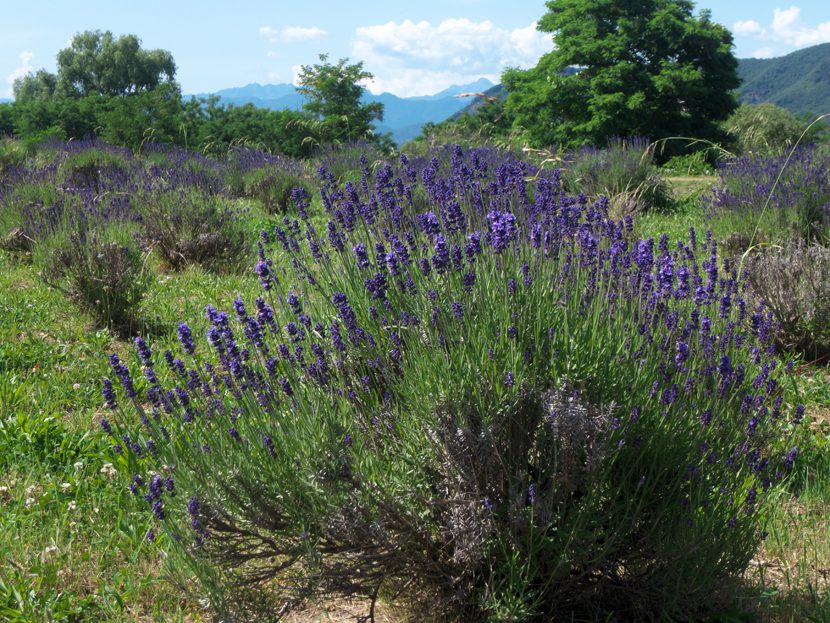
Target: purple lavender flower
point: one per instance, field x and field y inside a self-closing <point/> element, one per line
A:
<point x="799" y="414"/>
<point x="441" y="255"/>
<point x="502" y="229"/>
<point x="473" y="246"/>
<point x="361" y="255"/>
<point x="105" y="426"/>
<point x="269" y="444"/>
<point x="429" y="224"/>
<point x="109" y="395"/>
<point x="144" y="352"/>
<point x="263" y="271"/>
<point x="186" y="338"/>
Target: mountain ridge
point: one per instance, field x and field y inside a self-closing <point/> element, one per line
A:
<point x="403" y="117"/>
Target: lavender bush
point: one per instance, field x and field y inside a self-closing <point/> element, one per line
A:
<point x="624" y="171"/>
<point x="777" y="197"/>
<point x="273" y="186"/>
<point x="103" y="275"/>
<point x="794" y="282"/>
<point x="187" y="227"/>
<point x="494" y="406"/>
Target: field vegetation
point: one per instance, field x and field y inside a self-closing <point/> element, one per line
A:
<point x="268" y="366"/>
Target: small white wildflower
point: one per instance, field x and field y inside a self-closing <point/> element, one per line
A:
<point x="50" y="550"/>
<point x="30" y="502"/>
<point x="65" y="487"/>
<point x="109" y="471"/>
<point x="30" y="490"/>
<point x="72" y="505"/>
<point x="78" y="465"/>
<point x="76" y="386"/>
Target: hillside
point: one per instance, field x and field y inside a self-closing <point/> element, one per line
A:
<point x="799" y="81"/>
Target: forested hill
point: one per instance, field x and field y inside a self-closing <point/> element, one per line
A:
<point x="799" y="81"/>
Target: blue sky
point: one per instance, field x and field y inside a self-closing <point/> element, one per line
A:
<point x="412" y="48"/>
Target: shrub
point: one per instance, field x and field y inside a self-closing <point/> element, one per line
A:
<point x="779" y="197"/>
<point x="13" y="154"/>
<point x="273" y="188"/>
<point x="696" y="163"/>
<point x="88" y="166"/>
<point x="624" y="171"/>
<point x="192" y="228"/>
<point x="102" y="275"/>
<point x="503" y="410"/>
<point x="765" y="129"/>
<point x="794" y="282"/>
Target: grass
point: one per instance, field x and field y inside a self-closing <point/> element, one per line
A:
<point x="74" y="551"/>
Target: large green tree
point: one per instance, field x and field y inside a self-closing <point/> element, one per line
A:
<point x="97" y="63"/>
<point x="625" y="67"/>
<point x="35" y="87"/>
<point x="333" y="94"/>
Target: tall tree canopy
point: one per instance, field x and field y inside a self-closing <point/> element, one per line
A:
<point x="625" y="67"/>
<point x="334" y="93"/>
<point x="97" y="63"/>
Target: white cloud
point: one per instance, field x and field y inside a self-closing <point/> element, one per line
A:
<point x="417" y="58"/>
<point x="18" y="72"/>
<point x="747" y="28"/>
<point x="786" y="27"/>
<point x="292" y="34"/>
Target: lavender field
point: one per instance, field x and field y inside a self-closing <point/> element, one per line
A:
<point x="453" y="384"/>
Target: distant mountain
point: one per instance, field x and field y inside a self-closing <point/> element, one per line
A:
<point x="403" y="117"/>
<point x="799" y="81"/>
<point x="482" y="84"/>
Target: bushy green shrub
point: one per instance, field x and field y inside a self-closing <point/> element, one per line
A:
<point x="193" y="228"/>
<point x="85" y="167"/>
<point x="766" y="129"/>
<point x="273" y="188"/>
<point x="503" y="411"/>
<point x="696" y="163"/>
<point x="624" y="171"/>
<point x="102" y="275"/>
<point x="13" y="153"/>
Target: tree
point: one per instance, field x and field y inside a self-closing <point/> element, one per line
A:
<point x="334" y="93"/>
<point x="637" y="67"/>
<point x="96" y="63"/>
<point x="37" y="87"/>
